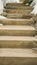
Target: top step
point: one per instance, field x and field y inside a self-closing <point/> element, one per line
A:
<point x="17" y="5"/>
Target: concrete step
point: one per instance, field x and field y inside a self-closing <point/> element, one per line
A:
<point x="17" y="21"/>
<point x="17" y="42"/>
<point x="17" y="11"/>
<point x="17" y="6"/>
<point x="17" y="30"/>
<point x="19" y="16"/>
<point x="7" y="52"/>
<point x="4" y="14"/>
<point x="18" y="57"/>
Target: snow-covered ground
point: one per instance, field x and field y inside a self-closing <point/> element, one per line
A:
<point x="12" y="1"/>
<point x="2" y="6"/>
<point x="1" y="10"/>
<point x="35" y="7"/>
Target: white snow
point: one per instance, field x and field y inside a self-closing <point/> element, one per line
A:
<point x="1" y="7"/>
<point x="2" y="17"/>
<point x="13" y="1"/>
<point x="1" y="10"/>
<point x="35" y="7"/>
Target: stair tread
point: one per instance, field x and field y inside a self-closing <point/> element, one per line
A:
<point x="17" y="21"/>
<point x="19" y="11"/>
<point x="17" y="42"/>
<point x="14" y="27"/>
<point x="7" y="52"/>
<point x="18" y="14"/>
<point x="17" y="4"/>
<point x="25" y="38"/>
<point x="21" y="16"/>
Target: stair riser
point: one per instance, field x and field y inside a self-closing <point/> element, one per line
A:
<point x="18" y="22"/>
<point x="19" y="16"/>
<point x="12" y="17"/>
<point x="17" y="61"/>
<point x="14" y="5"/>
<point x="18" y="32"/>
<point x="4" y="14"/>
<point x="36" y="32"/>
<point x="26" y="16"/>
<point x="17" y="44"/>
<point x="36" y="44"/>
<point x="18" y="11"/>
<point x="18" y="8"/>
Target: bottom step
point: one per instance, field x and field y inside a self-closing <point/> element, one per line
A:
<point x="18" y="57"/>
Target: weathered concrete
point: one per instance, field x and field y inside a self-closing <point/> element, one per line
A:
<point x="17" y="30"/>
<point x="17" y="22"/>
<point x="18" y="5"/>
<point x="17" y="61"/>
<point x="7" y="52"/>
<point x="18" y="56"/>
<point x="19" y="16"/>
<point x="17" y="42"/>
<point x="17" y="11"/>
<point x="14" y="37"/>
<point x="20" y="8"/>
<point x="4" y="14"/>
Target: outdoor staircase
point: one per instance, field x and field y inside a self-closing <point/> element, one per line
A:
<point x="18" y="36"/>
<point x="17" y="10"/>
